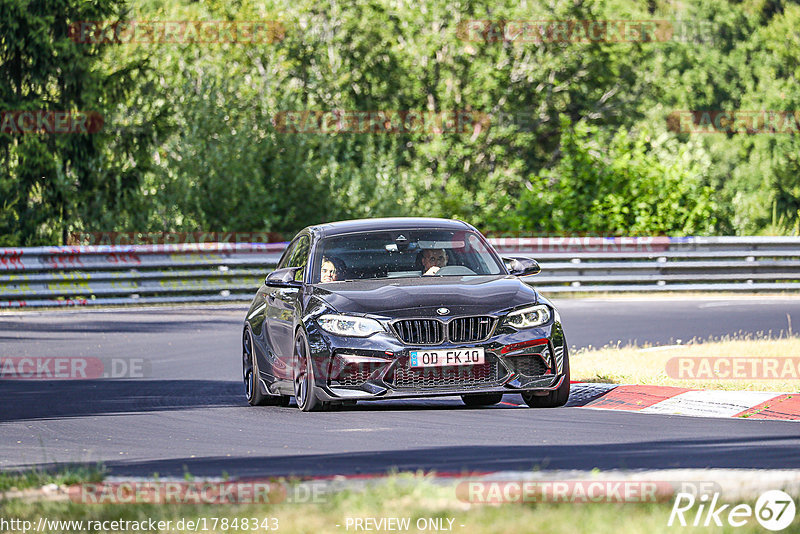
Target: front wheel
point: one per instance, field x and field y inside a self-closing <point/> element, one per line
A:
<point x="555" y="398"/>
<point x="482" y="399"/>
<point x="304" y="394"/>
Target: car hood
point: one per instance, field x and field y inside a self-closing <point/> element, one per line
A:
<point x="400" y="297"/>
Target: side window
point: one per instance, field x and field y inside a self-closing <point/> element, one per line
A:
<point x="298" y="257"/>
<point x="287" y="255"/>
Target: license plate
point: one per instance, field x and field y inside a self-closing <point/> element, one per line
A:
<point x="446" y="358"/>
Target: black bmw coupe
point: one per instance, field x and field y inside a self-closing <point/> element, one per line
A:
<point x="403" y="307"/>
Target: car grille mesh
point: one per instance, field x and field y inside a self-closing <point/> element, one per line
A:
<point x="469" y="329"/>
<point x="528" y="365"/>
<point x="420" y="331"/>
<point x="431" y="331"/>
<point x="355" y="377"/>
<point x="452" y="377"/>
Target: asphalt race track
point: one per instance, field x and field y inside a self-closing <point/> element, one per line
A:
<point x="189" y="412"/>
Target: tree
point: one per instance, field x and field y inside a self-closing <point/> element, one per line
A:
<point x="53" y="182"/>
<point x="642" y="184"/>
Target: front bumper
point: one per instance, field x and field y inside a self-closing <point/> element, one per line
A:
<point x="377" y="367"/>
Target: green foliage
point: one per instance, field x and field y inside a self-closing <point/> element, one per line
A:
<point x="629" y="183"/>
<point x="576" y="140"/>
<point x="53" y="182"/>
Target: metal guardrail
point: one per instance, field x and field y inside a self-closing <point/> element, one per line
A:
<point x="658" y="264"/>
<point x="207" y="272"/>
<point x="109" y="274"/>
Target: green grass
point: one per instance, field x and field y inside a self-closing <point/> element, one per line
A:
<point x="398" y="496"/>
<point x="36" y="478"/>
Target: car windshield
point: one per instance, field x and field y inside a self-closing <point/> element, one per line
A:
<point x="403" y="254"/>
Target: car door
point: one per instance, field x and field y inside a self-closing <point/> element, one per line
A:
<point x="281" y="303"/>
<point x="270" y="313"/>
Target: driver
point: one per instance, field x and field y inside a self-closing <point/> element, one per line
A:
<point x="332" y="269"/>
<point x="433" y="259"/>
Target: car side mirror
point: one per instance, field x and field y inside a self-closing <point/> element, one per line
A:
<point x="283" y="278"/>
<point x="522" y="266"/>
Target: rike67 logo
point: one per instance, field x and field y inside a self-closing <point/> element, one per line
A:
<point x="774" y="510"/>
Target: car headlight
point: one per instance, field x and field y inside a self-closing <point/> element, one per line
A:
<point x="528" y="317"/>
<point x="348" y="325"/>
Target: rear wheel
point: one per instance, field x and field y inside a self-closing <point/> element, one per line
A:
<point x="482" y="399"/>
<point x="304" y="394"/>
<point x="556" y="397"/>
<point x="250" y="375"/>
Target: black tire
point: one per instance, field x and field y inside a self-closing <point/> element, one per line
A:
<point x="252" y="384"/>
<point x="252" y="388"/>
<point x="482" y="399"/>
<point x="304" y="394"/>
<point x="554" y="399"/>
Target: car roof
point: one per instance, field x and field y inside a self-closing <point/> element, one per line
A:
<point x="389" y="223"/>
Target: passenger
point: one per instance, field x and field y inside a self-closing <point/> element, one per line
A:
<point x="332" y="269"/>
<point x="433" y="259"/>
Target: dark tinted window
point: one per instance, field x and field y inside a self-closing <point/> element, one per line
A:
<point x="287" y="254"/>
<point x="398" y="254"/>
<point x="299" y="256"/>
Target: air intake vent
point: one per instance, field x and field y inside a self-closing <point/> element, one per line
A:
<point x="488" y="374"/>
<point x="528" y="365"/>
